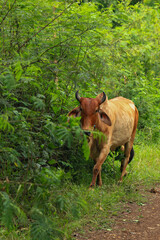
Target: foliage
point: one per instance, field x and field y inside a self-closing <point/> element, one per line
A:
<point x="42" y="227"/>
<point x="48" y="50"/>
<point x="9" y="212"/>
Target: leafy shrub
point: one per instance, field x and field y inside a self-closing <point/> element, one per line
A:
<point x="47" y="53"/>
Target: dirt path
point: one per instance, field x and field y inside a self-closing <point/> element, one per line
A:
<point x="134" y="222"/>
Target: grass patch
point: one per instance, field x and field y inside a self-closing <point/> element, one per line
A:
<point x="101" y="203"/>
<point x="143" y="172"/>
<point x="145" y="168"/>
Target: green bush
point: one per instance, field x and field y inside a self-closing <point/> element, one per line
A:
<point x="48" y="51"/>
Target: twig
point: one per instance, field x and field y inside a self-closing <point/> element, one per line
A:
<point x="17" y="182"/>
<point x="8" y="12"/>
<point x="60" y="43"/>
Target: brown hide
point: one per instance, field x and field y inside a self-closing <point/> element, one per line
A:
<point x="117" y="118"/>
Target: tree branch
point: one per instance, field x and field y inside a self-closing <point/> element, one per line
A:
<point x="58" y="44"/>
<point x="35" y="34"/>
<point x="8" y="12"/>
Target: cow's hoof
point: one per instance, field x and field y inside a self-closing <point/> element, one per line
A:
<point x="120" y="182"/>
<point x="91" y="187"/>
<point x="99" y="185"/>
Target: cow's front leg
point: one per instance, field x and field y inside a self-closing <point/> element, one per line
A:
<point x="99" y="179"/>
<point x="97" y="167"/>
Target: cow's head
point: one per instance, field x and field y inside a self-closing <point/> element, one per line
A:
<point x="90" y="112"/>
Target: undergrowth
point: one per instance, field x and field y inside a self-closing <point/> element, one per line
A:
<point x="53" y="207"/>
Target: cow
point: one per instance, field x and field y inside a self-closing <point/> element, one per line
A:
<point x="117" y="119"/>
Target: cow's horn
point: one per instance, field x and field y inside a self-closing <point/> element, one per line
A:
<point x="103" y="98"/>
<point x="77" y="96"/>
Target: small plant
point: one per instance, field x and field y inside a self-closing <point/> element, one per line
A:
<point x="43" y="227"/>
<point x="11" y="214"/>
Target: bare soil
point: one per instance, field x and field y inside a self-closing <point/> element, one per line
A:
<point x="135" y="222"/>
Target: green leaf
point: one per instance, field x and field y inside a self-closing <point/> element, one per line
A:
<point x="43" y="227"/>
<point x="85" y="148"/>
<point x="52" y="162"/>
<point x="5" y="125"/>
<point x="18" y="71"/>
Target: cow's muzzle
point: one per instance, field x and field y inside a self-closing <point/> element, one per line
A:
<point x="87" y="133"/>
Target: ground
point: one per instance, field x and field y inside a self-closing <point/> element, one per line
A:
<point x="135" y="222"/>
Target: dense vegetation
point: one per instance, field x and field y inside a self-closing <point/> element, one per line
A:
<point x="48" y="50"/>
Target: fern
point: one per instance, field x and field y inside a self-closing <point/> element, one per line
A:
<point x="78" y="207"/>
<point x="50" y="178"/>
<point x="38" y="102"/>
<point x="5" y="125"/>
<point x="100" y="136"/>
<point x="43" y="227"/>
<point x="22" y="218"/>
<point x="8" y="81"/>
<point x="50" y="127"/>
<point x="18" y="70"/>
<point x="9" y="211"/>
<point x="61" y="203"/>
<point x="65" y="136"/>
<point x="85" y="148"/>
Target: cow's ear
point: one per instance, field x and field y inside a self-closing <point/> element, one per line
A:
<point x="105" y="118"/>
<point x="75" y="112"/>
<point x="102" y="97"/>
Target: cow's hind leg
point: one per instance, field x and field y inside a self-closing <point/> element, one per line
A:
<point x="130" y="158"/>
<point x="99" y="179"/>
<point x="129" y="153"/>
<point x="127" y="159"/>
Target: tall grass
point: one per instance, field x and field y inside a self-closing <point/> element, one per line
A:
<point x="145" y="168"/>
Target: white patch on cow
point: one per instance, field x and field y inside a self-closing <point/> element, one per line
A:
<point x="132" y="106"/>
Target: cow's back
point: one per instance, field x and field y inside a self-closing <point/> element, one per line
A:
<point x="122" y="112"/>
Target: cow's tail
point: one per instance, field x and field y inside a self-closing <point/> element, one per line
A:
<point x="131" y="155"/>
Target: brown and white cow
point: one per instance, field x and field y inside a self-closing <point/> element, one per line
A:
<point x="117" y="119"/>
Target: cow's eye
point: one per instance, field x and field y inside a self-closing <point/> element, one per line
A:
<point x="97" y="110"/>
